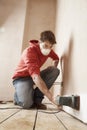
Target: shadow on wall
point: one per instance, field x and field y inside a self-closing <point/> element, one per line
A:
<point x="26" y="27"/>
<point x="66" y="64"/>
<point x="6" y="9"/>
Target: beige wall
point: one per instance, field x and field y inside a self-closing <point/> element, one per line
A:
<point x="71" y="32"/>
<point x="21" y="20"/>
<point x="12" y="17"/>
<point x="40" y="16"/>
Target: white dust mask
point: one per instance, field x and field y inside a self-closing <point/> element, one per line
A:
<point x="44" y="51"/>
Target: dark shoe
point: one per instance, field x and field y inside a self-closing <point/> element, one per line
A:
<point x="39" y="106"/>
<point x="15" y="103"/>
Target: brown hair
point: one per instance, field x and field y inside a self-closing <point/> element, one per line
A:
<point x="48" y="36"/>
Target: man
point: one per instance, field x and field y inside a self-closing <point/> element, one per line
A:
<point x="27" y="73"/>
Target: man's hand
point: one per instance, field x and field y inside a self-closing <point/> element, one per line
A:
<point x="59" y="107"/>
<point x="56" y="63"/>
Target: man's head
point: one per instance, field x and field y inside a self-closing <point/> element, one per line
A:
<point x="47" y="40"/>
<point x="48" y="36"/>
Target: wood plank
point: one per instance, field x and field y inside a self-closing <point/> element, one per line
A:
<point x="48" y="122"/>
<point x="6" y="113"/>
<point x="24" y="120"/>
<point x="70" y="122"/>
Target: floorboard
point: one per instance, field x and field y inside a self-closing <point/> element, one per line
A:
<point x="48" y="122"/>
<point x="7" y="113"/>
<point x="50" y="119"/>
<point x="23" y="120"/>
<point x="70" y="122"/>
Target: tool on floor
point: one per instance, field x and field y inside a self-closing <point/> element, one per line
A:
<point x="71" y="101"/>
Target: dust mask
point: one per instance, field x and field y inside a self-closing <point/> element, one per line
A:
<point x="44" y="51"/>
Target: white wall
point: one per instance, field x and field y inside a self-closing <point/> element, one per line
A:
<point x="71" y="32"/>
<point x="12" y="17"/>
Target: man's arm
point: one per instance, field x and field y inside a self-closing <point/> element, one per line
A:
<point x="43" y="88"/>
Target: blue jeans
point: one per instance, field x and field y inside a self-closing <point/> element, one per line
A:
<point x="25" y="95"/>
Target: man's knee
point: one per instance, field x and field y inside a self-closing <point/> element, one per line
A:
<point x="25" y="104"/>
<point x="55" y="71"/>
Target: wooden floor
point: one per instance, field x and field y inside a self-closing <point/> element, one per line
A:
<point x="50" y="119"/>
